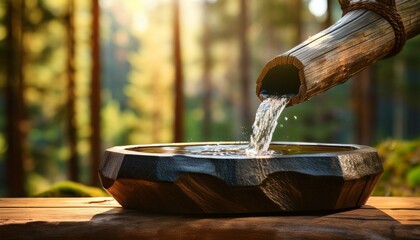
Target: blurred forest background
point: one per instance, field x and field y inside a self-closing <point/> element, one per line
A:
<point x="77" y="77"/>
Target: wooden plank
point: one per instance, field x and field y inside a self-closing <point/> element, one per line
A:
<point x="87" y="202"/>
<point x="108" y="225"/>
<point x="378" y="202"/>
<point x="52" y="215"/>
<point x="102" y="218"/>
<point x="383" y="203"/>
<point x="394" y="202"/>
<point x="23" y="215"/>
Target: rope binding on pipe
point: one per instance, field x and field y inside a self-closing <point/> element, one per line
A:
<point x="388" y="10"/>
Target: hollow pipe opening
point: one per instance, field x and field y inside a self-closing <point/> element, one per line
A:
<point x="280" y="80"/>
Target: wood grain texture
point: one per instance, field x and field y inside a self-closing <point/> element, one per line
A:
<point x="357" y="40"/>
<point x="103" y="218"/>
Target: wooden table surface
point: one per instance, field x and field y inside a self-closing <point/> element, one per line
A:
<point x="103" y="218"/>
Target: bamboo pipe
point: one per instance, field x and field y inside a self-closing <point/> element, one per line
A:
<point x="357" y="40"/>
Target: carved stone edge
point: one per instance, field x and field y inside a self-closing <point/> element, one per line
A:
<point x="357" y="163"/>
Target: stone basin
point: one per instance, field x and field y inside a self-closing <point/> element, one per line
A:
<point x="217" y="178"/>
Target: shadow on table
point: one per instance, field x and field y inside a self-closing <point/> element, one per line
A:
<point x="363" y="223"/>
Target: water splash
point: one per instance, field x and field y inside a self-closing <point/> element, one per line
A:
<point x="265" y="123"/>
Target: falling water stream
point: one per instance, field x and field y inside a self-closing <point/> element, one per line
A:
<point x="264" y="125"/>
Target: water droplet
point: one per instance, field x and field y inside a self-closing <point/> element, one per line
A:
<point x="285" y="118"/>
<point x="295" y="117"/>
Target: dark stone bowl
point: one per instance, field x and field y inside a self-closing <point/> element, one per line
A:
<point x="188" y="183"/>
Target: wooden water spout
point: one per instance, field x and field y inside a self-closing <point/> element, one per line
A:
<point x="368" y="32"/>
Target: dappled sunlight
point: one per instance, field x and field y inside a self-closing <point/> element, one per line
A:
<point x="318" y="7"/>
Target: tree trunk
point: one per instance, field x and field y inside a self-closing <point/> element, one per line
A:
<point x="71" y="112"/>
<point x="179" y="95"/>
<point x="245" y="65"/>
<point x="298" y="21"/>
<point x="363" y="103"/>
<point x="95" y="97"/>
<point x="15" y="103"/>
<point x="398" y="99"/>
<point x="207" y="86"/>
<point x="156" y="127"/>
<point x="328" y="19"/>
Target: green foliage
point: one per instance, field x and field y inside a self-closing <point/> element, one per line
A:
<point x="36" y="183"/>
<point x="401" y="161"/>
<point x="413" y="177"/>
<point x="117" y="124"/>
<point x="72" y="189"/>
